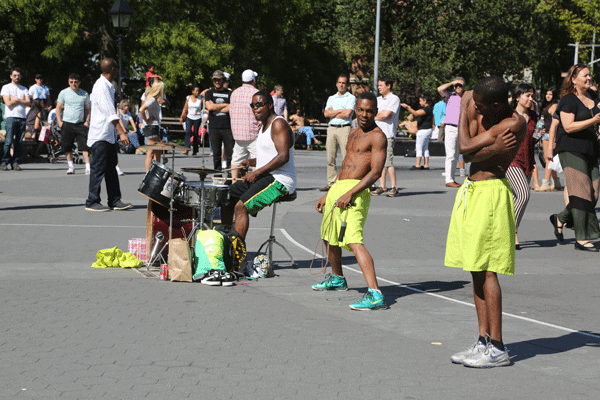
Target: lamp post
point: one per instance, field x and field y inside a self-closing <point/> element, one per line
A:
<point x="120" y="14"/>
<point x="376" y="61"/>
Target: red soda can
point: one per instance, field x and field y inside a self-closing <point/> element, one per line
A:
<point x="164" y="272"/>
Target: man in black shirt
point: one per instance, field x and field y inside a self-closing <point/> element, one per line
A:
<point x="219" y="124"/>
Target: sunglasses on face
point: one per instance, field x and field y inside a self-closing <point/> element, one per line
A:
<point x="458" y="85"/>
<point x="258" y="104"/>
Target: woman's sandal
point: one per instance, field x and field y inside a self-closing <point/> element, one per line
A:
<point x="554" y="222"/>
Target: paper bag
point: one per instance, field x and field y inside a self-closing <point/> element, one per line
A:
<point x="180" y="265"/>
<point x="44" y="135"/>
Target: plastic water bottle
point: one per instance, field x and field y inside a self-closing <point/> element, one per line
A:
<point x="538" y="128"/>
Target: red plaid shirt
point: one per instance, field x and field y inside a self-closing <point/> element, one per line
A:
<point x="243" y="124"/>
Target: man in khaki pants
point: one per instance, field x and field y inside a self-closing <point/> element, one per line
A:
<point x="339" y="109"/>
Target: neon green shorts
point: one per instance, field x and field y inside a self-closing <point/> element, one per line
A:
<point x="481" y="236"/>
<point x="355" y="219"/>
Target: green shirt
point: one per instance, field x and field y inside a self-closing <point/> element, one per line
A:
<point x="74" y="105"/>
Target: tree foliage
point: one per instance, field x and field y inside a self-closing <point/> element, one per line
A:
<point x="301" y="44"/>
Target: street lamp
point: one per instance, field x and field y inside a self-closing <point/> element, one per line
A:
<point x="120" y="14"/>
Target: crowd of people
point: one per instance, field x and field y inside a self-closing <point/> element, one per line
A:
<point x="249" y="128"/>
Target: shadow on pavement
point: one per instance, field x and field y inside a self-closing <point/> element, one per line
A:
<point x="134" y="173"/>
<point x="392" y="293"/>
<point x="41" y="206"/>
<point x="539" y="243"/>
<point x="403" y="194"/>
<point x="548" y="346"/>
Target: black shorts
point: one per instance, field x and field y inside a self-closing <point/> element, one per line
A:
<point x="259" y="194"/>
<point x="70" y="132"/>
<point x="151" y="131"/>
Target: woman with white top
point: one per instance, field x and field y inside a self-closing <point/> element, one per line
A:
<point x="150" y="112"/>
<point x="192" y="116"/>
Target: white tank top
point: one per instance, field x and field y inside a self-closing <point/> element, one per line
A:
<point x="194" y="108"/>
<point x="266" y="151"/>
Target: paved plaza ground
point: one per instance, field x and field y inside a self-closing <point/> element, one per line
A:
<point x="73" y="332"/>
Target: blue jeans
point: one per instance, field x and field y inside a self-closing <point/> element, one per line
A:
<point x="310" y="135"/>
<point x="189" y="134"/>
<point x="15" y="129"/>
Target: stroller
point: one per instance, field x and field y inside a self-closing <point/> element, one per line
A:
<point x="55" y="149"/>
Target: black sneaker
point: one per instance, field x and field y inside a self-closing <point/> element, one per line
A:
<point x="121" y="206"/>
<point x="228" y="279"/>
<point x="213" y="279"/>
<point x="97" y="207"/>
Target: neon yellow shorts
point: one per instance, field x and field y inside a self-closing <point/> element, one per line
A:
<point x="481" y="236"/>
<point x="355" y="220"/>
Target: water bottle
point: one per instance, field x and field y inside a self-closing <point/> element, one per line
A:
<point x="538" y="128"/>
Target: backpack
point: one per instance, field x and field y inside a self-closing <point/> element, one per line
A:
<point x="209" y="251"/>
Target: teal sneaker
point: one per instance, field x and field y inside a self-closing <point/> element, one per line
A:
<point x="331" y="282"/>
<point x="372" y="300"/>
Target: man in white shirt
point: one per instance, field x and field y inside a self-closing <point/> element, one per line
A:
<point x="339" y="109"/>
<point x="102" y="141"/>
<point x="16" y="98"/>
<point x="40" y="91"/>
<point x="386" y="119"/>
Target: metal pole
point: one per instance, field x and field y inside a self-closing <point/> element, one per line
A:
<point x="376" y="63"/>
<point x="593" y="49"/>
<point x="120" y="65"/>
<point x="576" y="59"/>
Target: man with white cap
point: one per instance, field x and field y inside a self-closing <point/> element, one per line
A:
<point x="226" y="82"/>
<point x="219" y="125"/>
<point x="243" y="124"/>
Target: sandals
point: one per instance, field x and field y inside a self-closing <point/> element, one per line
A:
<point x="554" y="222"/>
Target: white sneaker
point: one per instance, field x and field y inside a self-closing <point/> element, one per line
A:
<point x="489" y="358"/>
<point x="120" y="172"/>
<point x="476" y="348"/>
<point x="87" y="171"/>
<point x="462" y="172"/>
<point x="443" y="174"/>
<point x="71" y="171"/>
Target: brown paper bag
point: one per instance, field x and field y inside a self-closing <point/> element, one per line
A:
<point x="180" y="265"/>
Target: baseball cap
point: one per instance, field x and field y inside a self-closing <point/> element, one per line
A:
<point x="39" y="76"/>
<point x="218" y="74"/>
<point x="248" y="75"/>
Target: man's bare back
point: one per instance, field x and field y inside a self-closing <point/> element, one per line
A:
<point x="361" y="148"/>
<point x="489" y="137"/>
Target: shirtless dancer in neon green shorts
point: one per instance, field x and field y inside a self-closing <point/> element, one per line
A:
<point x="362" y="166"/>
<point x="482" y="227"/>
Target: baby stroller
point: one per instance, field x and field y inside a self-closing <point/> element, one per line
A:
<point x="55" y="149"/>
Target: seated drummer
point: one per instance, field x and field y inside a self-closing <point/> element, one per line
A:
<point x="274" y="174"/>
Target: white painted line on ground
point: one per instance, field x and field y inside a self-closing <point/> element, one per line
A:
<point x="96" y="226"/>
<point x="74" y="226"/>
<point x="535" y="321"/>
